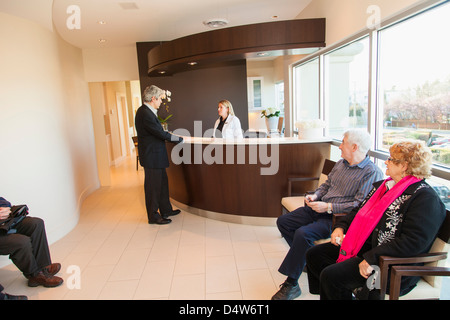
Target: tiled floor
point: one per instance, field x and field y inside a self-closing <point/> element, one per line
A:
<point x="120" y="256"/>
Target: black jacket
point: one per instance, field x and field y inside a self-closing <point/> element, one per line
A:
<point x="407" y="228"/>
<point x="151" y="139"/>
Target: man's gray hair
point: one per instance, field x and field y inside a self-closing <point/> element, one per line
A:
<point x="152" y="91"/>
<point x="361" y="138"/>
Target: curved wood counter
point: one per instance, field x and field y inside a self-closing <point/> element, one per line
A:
<point x="247" y="178"/>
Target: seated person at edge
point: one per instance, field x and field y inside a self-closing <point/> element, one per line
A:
<point x="28" y="249"/>
<point x="228" y="125"/>
<point x="347" y="185"/>
<point x="7" y="296"/>
<point x="400" y="217"/>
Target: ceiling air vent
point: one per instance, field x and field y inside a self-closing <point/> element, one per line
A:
<point x="215" y="23"/>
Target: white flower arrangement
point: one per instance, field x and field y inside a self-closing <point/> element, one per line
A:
<point x="270" y="112"/>
<point x="167" y="95"/>
<point x="165" y="103"/>
<point x="310" y="124"/>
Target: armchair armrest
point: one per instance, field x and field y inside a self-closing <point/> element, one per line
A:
<point x="387" y="261"/>
<point x="337" y="216"/>
<point x="399" y="271"/>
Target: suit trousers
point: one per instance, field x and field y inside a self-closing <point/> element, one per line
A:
<point x="156" y="187"/>
<point x="300" y="228"/>
<point x="28" y="247"/>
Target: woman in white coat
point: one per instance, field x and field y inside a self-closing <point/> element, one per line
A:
<point x="228" y="125"/>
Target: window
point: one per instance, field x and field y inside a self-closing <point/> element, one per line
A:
<point x="394" y="82"/>
<point x="279" y="96"/>
<point x="254" y="91"/>
<point x="347" y="87"/>
<point x="414" y="82"/>
<point x="306" y="87"/>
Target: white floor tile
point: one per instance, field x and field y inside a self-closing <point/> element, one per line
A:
<point x="121" y="256"/>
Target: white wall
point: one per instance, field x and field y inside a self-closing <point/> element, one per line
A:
<point x="46" y="134"/>
<point x="110" y="64"/>
<point x="346" y="17"/>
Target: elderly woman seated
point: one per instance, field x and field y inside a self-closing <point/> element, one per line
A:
<point x="400" y="217"/>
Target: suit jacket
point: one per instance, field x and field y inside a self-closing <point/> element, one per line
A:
<point x="151" y="139"/>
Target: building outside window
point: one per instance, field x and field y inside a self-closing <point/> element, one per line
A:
<point x="347" y="87"/>
<point x="306" y="96"/>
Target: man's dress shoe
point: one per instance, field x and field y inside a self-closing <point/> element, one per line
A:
<point x="159" y="220"/>
<point x="170" y="214"/>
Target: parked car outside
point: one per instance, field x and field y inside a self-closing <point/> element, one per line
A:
<point x="443" y="193"/>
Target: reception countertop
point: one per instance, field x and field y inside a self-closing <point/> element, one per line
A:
<point x="279" y="140"/>
<point x="241" y="179"/>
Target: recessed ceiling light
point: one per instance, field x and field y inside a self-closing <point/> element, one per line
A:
<point x="274" y="17"/>
<point x="192" y="63"/>
<point x="101" y="40"/>
<point x="101" y="22"/>
<point x="161" y="72"/>
<point x="262" y="54"/>
<point x="216" y="23"/>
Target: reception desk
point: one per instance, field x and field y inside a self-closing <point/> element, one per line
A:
<point x="241" y="181"/>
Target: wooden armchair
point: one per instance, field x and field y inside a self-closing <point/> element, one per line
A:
<point x="429" y="287"/>
<point x="292" y="201"/>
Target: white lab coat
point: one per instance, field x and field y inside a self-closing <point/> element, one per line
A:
<point x="231" y="128"/>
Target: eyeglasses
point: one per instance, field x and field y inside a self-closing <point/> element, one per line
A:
<point x="390" y="159"/>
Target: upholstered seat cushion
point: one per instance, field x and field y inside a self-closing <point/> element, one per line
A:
<point x="292" y="203"/>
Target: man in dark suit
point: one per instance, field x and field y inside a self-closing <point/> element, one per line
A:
<point x="153" y="156"/>
<point x="27" y="247"/>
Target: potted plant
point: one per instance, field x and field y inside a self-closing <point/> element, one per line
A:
<point x="271" y="115"/>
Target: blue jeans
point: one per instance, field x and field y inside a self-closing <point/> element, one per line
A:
<point x="300" y="228"/>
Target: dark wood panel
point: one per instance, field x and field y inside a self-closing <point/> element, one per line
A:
<point x="235" y="43"/>
<point x="240" y="189"/>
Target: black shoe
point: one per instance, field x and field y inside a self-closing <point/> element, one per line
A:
<point x="170" y="214"/>
<point x="159" y="220"/>
<point x="287" y="292"/>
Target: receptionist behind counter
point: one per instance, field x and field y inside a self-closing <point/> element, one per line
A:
<point x="228" y="125"/>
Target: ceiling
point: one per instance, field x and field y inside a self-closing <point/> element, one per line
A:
<point x="125" y="22"/>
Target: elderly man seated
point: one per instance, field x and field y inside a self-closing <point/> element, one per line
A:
<point x="348" y="184"/>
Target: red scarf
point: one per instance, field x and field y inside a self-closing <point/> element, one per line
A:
<point x="369" y="215"/>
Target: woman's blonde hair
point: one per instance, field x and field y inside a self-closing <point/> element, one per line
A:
<point x="227" y="104"/>
<point x="416" y="154"/>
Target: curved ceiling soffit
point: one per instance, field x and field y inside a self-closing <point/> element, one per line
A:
<point x="231" y="44"/>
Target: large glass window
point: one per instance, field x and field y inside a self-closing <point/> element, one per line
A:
<point x="414" y="82"/>
<point x="407" y="62"/>
<point x="306" y="91"/>
<point x="347" y="87"/>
